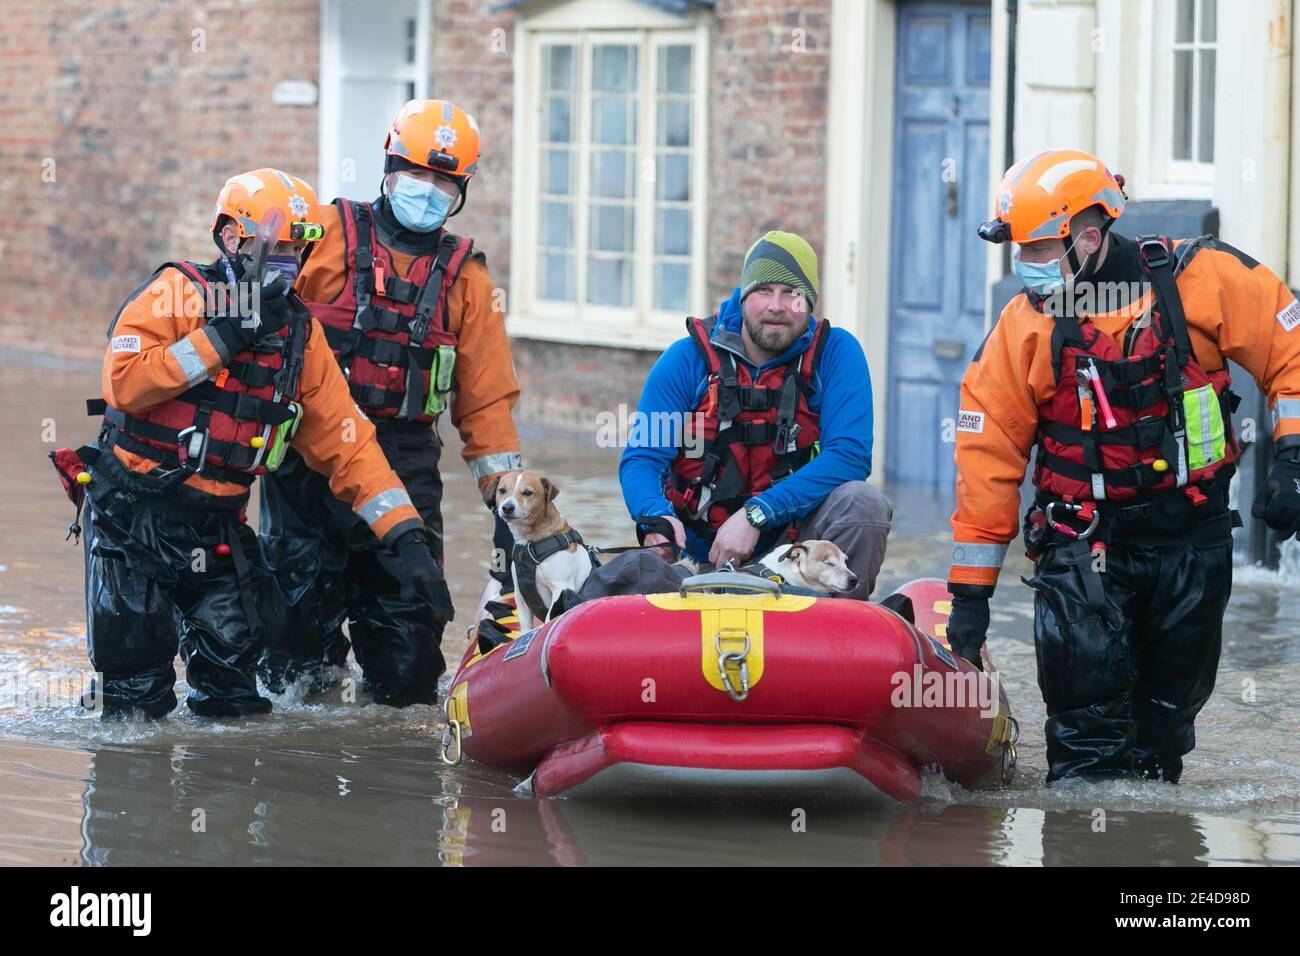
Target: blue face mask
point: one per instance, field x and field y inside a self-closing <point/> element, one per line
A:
<point x="419" y="206"/>
<point x="286" y="265"/>
<point x="1044" y="278"/>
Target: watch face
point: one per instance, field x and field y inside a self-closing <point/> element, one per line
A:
<point x="755" y="515"/>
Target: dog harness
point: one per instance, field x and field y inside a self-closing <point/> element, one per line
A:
<point x="527" y="555"/>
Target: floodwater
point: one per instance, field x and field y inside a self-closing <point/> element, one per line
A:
<point x="324" y="781"/>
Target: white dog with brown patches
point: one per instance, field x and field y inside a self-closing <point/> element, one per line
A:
<point x="816" y="565"/>
<point x="813" y="564"/>
<point x="549" y="555"/>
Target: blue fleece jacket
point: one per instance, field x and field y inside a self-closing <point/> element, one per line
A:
<point x="677" y="383"/>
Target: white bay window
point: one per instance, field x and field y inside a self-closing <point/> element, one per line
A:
<point x="609" y="182"/>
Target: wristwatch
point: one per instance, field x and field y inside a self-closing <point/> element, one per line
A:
<point x="755" y="515"/>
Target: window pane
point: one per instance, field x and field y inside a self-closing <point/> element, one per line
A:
<point x="559" y="174"/>
<point x="1205" y="131"/>
<point x="614" y="68"/>
<point x="611" y="229"/>
<point x="1183" y="15"/>
<point x="612" y="120"/>
<point x="674" y="177"/>
<point x="673" y="232"/>
<point x="609" y="282"/>
<point x="557" y="277"/>
<point x="558" y="70"/>
<point x="672" y="282"/>
<point x="674" y="69"/>
<point x="675" y="123"/>
<point x="1182" y="144"/>
<point x="609" y="174"/>
<point x="1209" y="28"/>
<point x="557" y="224"/>
<point x="559" y="126"/>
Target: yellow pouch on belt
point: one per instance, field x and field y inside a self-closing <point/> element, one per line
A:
<point x="441" y="379"/>
<point x="1206" y="436"/>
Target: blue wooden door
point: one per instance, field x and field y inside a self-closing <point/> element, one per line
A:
<point x="936" y="315"/>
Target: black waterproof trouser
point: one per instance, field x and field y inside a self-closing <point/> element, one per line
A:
<point x="156" y="584"/>
<point x="1123" y="683"/>
<point x="323" y="568"/>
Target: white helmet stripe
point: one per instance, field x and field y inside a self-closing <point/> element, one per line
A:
<point x="1054" y="174"/>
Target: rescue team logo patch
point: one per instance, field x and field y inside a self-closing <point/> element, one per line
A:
<point x="1289" y="317"/>
<point x="970" y="421"/>
<point x="446" y="136"/>
<point x="126" y="343"/>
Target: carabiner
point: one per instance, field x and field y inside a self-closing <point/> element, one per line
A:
<point x="1077" y="509"/>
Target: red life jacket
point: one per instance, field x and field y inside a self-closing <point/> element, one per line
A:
<point x="755" y="432"/>
<point x="1153" y="387"/>
<point x="389" y="334"/>
<point x="207" y="428"/>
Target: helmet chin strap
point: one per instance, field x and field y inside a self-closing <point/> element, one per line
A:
<point x="1080" y="272"/>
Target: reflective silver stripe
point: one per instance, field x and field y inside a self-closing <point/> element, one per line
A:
<point x="1050" y="229"/>
<point x="191" y="362"/>
<point x="382" y="503"/>
<point x="978" y="555"/>
<point x="1286" y="408"/>
<point x="1110" y="197"/>
<point x="491" y="464"/>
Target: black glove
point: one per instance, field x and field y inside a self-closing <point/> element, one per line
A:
<point x="968" y="626"/>
<point x="1279" y="505"/>
<point x="274" y="302"/>
<point x="411" y="563"/>
<point x="236" y="333"/>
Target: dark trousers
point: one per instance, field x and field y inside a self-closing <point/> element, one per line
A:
<point x="323" y="568"/>
<point x="156" y="585"/>
<point x="1123" y="685"/>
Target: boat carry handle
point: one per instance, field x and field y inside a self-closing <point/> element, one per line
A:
<point x="729" y="579"/>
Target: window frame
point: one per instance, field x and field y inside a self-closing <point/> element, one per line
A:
<point x="641" y="325"/>
<point x="331" y="146"/>
<point x="1163" y="175"/>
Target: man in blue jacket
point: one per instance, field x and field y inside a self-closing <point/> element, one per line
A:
<point x="775" y="432"/>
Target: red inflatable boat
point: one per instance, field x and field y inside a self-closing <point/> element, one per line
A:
<point x="755" y="690"/>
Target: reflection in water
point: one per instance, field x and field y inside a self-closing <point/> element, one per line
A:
<point x="325" y="781"/>
<point x="387" y="806"/>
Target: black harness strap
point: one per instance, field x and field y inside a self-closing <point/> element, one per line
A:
<point x="527" y="555"/>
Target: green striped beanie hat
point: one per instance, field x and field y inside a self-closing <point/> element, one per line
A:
<point x="781" y="257"/>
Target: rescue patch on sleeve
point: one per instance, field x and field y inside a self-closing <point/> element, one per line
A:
<point x="970" y="421"/>
<point x="126" y="343"/>
<point x="1289" y="317"/>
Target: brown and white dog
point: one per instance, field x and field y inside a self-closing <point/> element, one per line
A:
<point x="549" y="555"/>
<point x="815" y="564"/>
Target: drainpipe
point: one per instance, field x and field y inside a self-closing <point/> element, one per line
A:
<point x="1009" y="147"/>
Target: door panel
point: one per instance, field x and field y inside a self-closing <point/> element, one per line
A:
<point x="937" y="263"/>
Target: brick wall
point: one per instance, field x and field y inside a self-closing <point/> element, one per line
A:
<point x="473" y="66"/>
<point x="143" y="120"/>
<point x="767" y="117"/>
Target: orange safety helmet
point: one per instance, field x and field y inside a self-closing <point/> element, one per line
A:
<point x="246" y="198"/>
<point x="437" y="135"/>
<point x="1039" y="195"/>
